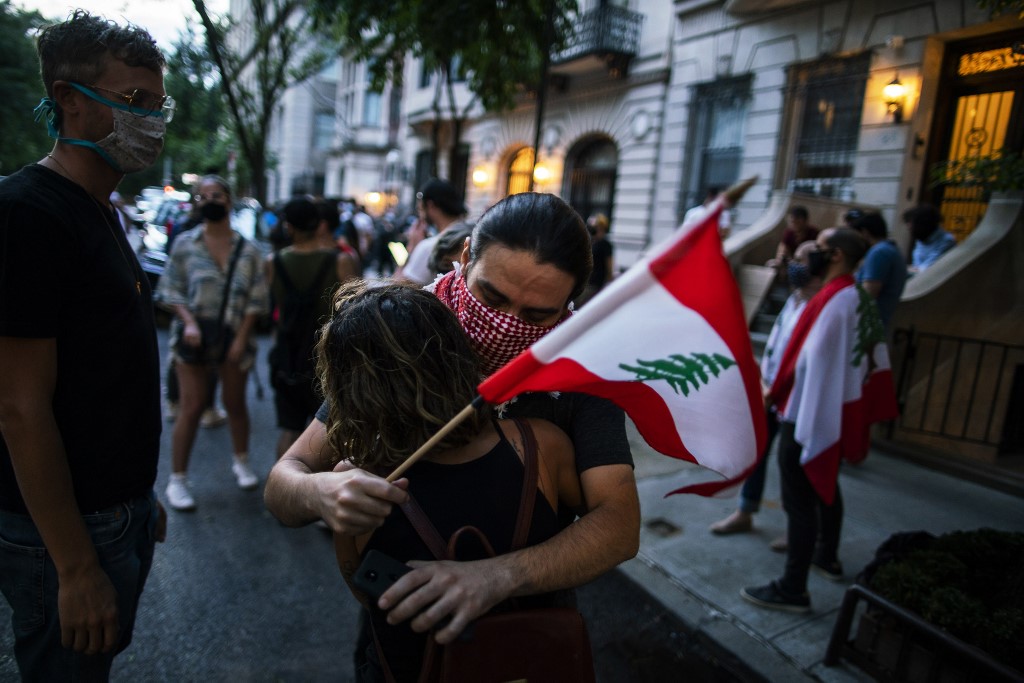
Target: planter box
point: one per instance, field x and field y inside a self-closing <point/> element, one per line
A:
<point x="883" y="640"/>
<point x="894" y="644"/>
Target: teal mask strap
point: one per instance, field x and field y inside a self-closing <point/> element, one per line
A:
<point x="91" y="94"/>
<point x="47" y="110"/>
<point x="94" y="147"/>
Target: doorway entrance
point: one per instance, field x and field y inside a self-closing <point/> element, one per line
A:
<point x="980" y="113"/>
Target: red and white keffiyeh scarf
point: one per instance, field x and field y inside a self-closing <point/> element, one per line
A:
<point x="496" y="337"/>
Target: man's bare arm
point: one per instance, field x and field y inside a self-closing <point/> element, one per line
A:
<point x="301" y="489"/>
<point x="87" y="601"/>
<point x="608" y="534"/>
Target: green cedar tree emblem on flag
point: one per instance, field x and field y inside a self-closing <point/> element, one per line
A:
<point x="681" y="371"/>
<point x="870" y="330"/>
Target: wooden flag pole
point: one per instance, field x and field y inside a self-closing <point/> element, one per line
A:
<point x="473" y="406"/>
<point x="736" y="192"/>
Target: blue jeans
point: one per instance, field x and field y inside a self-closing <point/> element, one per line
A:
<point x="124" y="536"/>
<point x="753" y="487"/>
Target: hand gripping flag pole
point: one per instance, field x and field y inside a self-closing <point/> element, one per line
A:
<point x="668" y="342"/>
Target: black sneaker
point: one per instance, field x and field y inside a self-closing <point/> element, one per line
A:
<point x="772" y="597"/>
<point x="833" y="571"/>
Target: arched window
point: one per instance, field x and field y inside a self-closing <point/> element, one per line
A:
<point x="592" y="184"/>
<point x="519" y="171"/>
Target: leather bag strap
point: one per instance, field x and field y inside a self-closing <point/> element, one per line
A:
<point x="529" y="493"/>
<point x="527" y="498"/>
<point x="426" y="530"/>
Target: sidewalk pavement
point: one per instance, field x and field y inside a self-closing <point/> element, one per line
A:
<point x="698" y="575"/>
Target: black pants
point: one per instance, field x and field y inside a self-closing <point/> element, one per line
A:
<point x="813" y="527"/>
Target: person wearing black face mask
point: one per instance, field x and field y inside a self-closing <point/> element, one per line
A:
<point x="833" y="382"/>
<point x="216" y="284"/>
<point x="804" y="287"/>
<point x="817" y="262"/>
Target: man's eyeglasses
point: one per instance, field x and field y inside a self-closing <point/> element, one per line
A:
<point x="144" y="103"/>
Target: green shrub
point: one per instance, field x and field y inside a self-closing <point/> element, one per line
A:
<point x="970" y="583"/>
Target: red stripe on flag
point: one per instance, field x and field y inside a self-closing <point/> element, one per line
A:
<point x="786" y="373"/>
<point x="879" y="396"/>
<point x="646" y="407"/>
<point x="823" y="470"/>
<point x="877" y="402"/>
<point x="720" y="304"/>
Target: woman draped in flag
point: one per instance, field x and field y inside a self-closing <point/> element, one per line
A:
<point x="529" y="256"/>
<point x="833" y="383"/>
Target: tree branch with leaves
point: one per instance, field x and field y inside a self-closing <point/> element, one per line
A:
<point x="498" y="44"/>
<point x="261" y="54"/>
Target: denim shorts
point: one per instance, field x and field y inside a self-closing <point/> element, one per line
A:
<point x="124" y="536"/>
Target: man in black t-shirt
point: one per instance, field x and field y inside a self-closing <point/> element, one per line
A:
<point x="529" y="256"/>
<point x="79" y="364"/>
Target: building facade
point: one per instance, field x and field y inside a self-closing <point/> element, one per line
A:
<point x="830" y="104"/>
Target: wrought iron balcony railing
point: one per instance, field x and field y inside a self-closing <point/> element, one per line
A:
<point x="605" y="31"/>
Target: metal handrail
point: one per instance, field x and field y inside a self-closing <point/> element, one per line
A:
<point x="950" y="356"/>
<point x="950" y="645"/>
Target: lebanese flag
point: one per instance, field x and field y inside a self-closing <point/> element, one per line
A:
<point x="835" y="381"/>
<point x="667" y="341"/>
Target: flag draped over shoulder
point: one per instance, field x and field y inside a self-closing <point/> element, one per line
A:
<point x="668" y="342"/>
<point x="835" y="381"/>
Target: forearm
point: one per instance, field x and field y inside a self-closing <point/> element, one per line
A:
<point x="291" y="492"/>
<point x="248" y="323"/>
<point x="44" y="479"/>
<point x="597" y="542"/>
<point x="184" y="314"/>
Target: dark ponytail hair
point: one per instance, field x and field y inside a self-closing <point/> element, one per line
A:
<point x="543" y="225"/>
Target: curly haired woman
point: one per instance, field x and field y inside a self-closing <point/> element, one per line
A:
<point x="397" y="366"/>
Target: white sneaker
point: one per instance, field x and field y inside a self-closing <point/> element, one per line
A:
<point x="213" y="417"/>
<point x="178" y="495"/>
<point x="247" y="479"/>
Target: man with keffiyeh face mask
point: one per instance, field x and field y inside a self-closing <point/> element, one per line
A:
<point x="528" y="257"/>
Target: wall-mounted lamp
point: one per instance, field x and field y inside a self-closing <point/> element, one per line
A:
<point x="372" y="199"/>
<point x="894" y="93"/>
<point x="541" y="174"/>
<point x="480" y="176"/>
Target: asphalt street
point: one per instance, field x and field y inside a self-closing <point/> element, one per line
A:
<point x="236" y="596"/>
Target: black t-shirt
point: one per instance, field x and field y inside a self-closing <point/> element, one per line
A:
<point x="596" y="426"/>
<point x="67" y="273"/>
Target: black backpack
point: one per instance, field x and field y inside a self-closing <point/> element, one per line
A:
<point x="291" y="358"/>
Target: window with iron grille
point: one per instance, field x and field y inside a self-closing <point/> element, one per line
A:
<point x="714" y="151"/>
<point x="827" y="97"/>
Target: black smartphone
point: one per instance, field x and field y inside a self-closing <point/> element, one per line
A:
<point x="377" y="572"/>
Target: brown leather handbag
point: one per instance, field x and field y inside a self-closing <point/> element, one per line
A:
<point x="541" y="645"/>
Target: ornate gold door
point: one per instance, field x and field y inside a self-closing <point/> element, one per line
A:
<point x="981" y="114"/>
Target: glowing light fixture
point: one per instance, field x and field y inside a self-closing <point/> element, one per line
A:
<point x="480" y="176"/>
<point x="894" y="93"/>
<point x="541" y="174"/>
